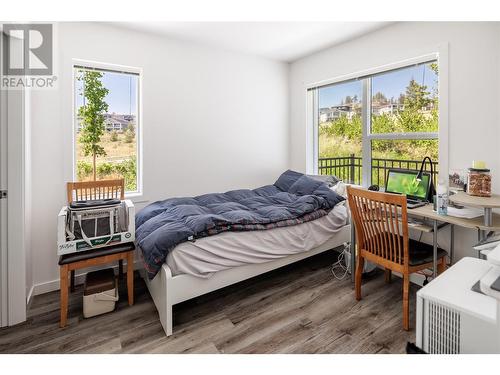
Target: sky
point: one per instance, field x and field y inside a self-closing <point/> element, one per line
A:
<point x="122" y="96"/>
<point x="390" y="84"/>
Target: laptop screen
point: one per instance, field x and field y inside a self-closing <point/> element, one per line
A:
<point x="405" y="182"/>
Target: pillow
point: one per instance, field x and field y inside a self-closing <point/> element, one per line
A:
<point x="304" y="186"/>
<point x="287" y="179"/>
<point x="340" y="188"/>
<point x="329" y="180"/>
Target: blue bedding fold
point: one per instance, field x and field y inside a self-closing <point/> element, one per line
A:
<point x="293" y="199"/>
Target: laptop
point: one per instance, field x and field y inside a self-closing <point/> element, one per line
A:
<point x="404" y="181"/>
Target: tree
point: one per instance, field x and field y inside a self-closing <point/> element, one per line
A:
<point x="416" y="96"/>
<point x="92" y="114"/>
<point x="130" y="133"/>
<point x="379" y="98"/>
<point x="434" y="67"/>
<point x="343" y="136"/>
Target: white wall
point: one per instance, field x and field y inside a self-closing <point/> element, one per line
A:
<point x="212" y="121"/>
<point x="474" y="89"/>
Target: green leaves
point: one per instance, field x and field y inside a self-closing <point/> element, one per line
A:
<point x="126" y="169"/>
<point x="418" y="113"/>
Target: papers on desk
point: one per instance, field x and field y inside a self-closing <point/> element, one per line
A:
<point x="466" y="212"/>
<point x="489" y="243"/>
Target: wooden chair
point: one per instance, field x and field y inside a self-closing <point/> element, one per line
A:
<point x="89" y="190"/>
<point x="381" y="222"/>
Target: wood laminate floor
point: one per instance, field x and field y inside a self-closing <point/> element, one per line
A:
<point x="300" y="308"/>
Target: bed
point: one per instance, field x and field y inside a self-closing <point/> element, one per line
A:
<point x="204" y="262"/>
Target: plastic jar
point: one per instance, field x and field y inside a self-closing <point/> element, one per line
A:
<point x="479" y="182"/>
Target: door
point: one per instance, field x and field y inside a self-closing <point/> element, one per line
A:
<point x="3" y="209"/>
<point x="12" y="203"/>
<point x="12" y="210"/>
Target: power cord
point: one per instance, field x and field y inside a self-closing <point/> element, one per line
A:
<point x="339" y="269"/>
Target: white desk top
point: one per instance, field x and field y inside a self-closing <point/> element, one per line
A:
<point x="465" y="199"/>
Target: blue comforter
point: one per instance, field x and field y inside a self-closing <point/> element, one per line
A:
<point x="294" y="198"/>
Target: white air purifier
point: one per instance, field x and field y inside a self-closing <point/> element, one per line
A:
<point x="454" y="319"/>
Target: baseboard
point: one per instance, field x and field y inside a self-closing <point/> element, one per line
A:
<point x="51" y="286"/>
<point x="29" y="296"/>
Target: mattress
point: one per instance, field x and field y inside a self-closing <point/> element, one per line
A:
<point x="205" y="256"/>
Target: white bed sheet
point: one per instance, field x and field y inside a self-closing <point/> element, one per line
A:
<point x="211" y="254"/>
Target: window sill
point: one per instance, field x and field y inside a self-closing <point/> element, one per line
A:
<point x="136" y="198"/>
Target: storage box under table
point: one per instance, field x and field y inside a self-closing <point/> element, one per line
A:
<point x="101" y="293"/>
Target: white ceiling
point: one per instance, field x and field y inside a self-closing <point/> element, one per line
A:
<point x="283" y="41"/>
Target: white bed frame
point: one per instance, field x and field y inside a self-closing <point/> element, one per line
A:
<point x="167" y="290"/>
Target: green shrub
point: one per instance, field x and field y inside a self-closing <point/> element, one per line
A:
<point x="104" y="170"/>
<point x="129" y="136"/>
<point x="113" y="136"/>
<point x="128" y="170"/>
<point x="342" y="136"/>
<point x="83" y="169"/>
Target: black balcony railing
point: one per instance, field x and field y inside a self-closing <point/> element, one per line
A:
<point x="350" y="168"/>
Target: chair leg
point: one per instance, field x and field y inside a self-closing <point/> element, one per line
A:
<point x="388" y="275"/>
<point x="406" y="302"/>
<point x="441" y="266"/>
<point x="359" y="272"/>
<point x="64" y="294"/>
<point x="130" y="277"/>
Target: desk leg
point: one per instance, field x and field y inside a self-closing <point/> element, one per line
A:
<point x="452" y="242"/>
<point x="488" y="216"/>
<point x="353" y="252"/>
<point x="64" y="294"/>
<point x="488" y="222"/>
<point x="479" y="238"/>
<point x="130" y="277"/>
<point x="434" y="248"/>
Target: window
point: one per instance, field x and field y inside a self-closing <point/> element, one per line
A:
<point x="339" y="129"/>
<point x="107" y="125"/>
<point x="375" y="122"/>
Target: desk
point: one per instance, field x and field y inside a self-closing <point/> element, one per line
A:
<point x="478" y="223"/>
<point x="489" y="222"/>
<point x="487" y="203"/>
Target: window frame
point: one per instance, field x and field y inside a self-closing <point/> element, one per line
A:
<point x="441" y="57"/>
<point x="114" y="68"/>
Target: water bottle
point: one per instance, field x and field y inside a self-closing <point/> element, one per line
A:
<point x="442" y="198"/>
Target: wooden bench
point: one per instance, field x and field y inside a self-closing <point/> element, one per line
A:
<point x="70" y="262"/>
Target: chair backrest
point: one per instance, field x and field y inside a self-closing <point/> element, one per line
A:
<point x="381" y="222"/>
<point x="90" y="190"/>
